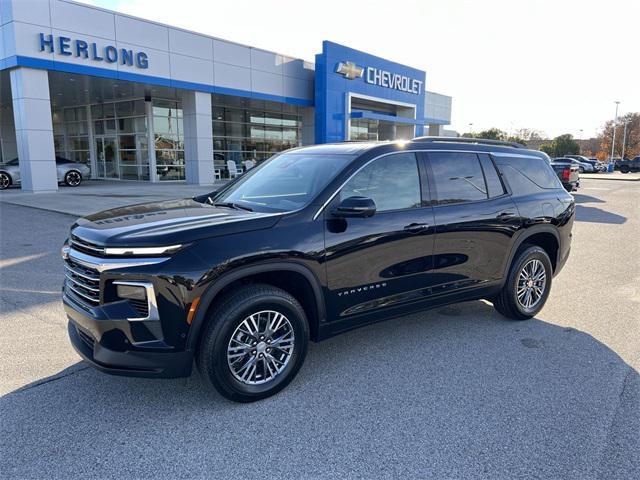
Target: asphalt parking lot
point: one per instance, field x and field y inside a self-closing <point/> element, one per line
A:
<point x="458" y="392"/>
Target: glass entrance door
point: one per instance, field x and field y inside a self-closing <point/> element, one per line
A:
<point x="107" y="153"/>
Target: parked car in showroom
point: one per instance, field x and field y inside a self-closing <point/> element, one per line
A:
<point x="626" y="166"/>
<point x="583" y="167"/>
<point x="568" y="173"/>
<point x="70" y="173"/>
<point x="309" y="244"/>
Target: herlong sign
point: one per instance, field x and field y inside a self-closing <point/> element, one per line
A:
<point x="68" y="47"/>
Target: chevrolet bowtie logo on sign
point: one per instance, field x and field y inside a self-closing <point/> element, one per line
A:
<point x="350" y="70"/>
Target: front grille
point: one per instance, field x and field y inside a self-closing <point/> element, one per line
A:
<point x="86" y="247"/>
<point x="83" y="282"/>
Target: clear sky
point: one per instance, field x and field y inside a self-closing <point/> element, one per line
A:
<point x="552" y="65"/>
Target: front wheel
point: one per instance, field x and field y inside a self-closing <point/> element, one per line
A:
<point x="528" y="283"/>
<point x="5" y="180"/>
<point x="72" y="178"/>
<point x="624" y="169"/>
<point x="254" y="343"/>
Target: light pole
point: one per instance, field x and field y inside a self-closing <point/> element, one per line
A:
<point x="580" y="141"/>
<point x="624" y="138"/>
<point x="613" y="143"/>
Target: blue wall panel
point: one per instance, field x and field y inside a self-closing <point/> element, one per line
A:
<point x="332" y="89"/>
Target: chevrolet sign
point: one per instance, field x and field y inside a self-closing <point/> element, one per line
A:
<point x="382" y="78"/>
<point x="349" y="70"/>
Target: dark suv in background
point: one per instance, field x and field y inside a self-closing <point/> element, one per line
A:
<point x="627" y="166"/>
<point x="314" y="242"/>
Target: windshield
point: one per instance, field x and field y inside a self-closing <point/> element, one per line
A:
<point x="286" y="182"/>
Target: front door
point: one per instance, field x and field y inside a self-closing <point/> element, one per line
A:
<point x="384" y="260"/>
<point x="107" y="161"/>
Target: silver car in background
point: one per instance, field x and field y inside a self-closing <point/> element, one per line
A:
<point x="70" y="173"/>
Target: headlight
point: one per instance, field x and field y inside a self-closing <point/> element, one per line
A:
<point x="137" y="251"/>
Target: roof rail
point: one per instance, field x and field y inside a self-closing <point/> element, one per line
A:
<point x="477" y="141"/>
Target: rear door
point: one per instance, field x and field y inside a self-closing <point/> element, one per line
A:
<point x="384" y="260"/>
<point x="475" y="220"/>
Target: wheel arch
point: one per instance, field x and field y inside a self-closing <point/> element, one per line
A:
<point x="544" y="236"/>
<point x="307" y="291"/>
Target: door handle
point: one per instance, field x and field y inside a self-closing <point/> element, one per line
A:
<point x="506" y="215"/>
<point x="416" y="227"/>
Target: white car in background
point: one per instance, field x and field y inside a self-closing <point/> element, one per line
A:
<point x="70" y="173"/>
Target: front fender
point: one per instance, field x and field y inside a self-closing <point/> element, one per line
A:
<point x="212" y="291"/>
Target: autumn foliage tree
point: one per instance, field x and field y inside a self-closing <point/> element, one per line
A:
<point x="632" y="144"/>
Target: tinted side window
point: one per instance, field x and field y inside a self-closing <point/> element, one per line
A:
<point x="494" y="185"/>
<point x="392" y="182"/>
<point x="537" y="171"/>
<point x="458" y="177"/>
<point x="520" y="184"/>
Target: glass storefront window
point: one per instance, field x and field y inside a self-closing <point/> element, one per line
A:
<point x="250" y="129"/>
<point x="168" y="140"/>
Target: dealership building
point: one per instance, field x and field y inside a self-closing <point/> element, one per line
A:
<point x="139" y="100"/>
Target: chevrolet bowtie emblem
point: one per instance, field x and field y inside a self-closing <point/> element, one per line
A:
<point x="349" y="70"/>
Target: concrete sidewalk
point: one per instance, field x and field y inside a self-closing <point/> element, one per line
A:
<point x="629" y="177"/>
<point x="96" y="195"/>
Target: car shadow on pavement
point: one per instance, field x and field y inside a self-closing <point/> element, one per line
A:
<point x="454" y="392"/>
<point x="582" y="198"/>
<point x="597" y="215"/>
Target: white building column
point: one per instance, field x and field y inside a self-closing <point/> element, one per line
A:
<point x="198" y="137"/>
<point x="34" y="129"/>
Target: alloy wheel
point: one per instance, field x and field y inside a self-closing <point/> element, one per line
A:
<point x="4" y="181"/>
<point x="73" y="179"/>
<point x="260" y="347"/>
<point x="531" y="284"/>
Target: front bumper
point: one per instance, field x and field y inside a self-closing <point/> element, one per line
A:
<point x="90" y="337"/>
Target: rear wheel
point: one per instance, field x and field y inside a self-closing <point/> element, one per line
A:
<point x="254" y="344"/>
<point x="5" y="180"/>
<point x="72" y="178"/>
<point x="528" y="283"/>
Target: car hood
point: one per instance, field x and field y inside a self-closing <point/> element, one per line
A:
<point x="167" y="223"/>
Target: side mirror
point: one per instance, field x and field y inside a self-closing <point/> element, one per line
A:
<point x="351" y="207"/>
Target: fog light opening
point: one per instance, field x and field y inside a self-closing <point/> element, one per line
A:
<point x="131" y="292"/>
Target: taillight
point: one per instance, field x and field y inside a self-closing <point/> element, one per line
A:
<point x="566" y="174"/>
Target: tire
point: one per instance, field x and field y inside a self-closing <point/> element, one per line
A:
<point x="507" y="302"/>
<point x="72" y="178"/>
<point x="226" y="334"/>
<point x="5" y="181"/>
<point x="580" y="170"/>
<point x="624" y="169"/>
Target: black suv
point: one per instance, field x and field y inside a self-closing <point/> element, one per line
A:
<point x="314" y="242"/>
<point x="626" y="166"/>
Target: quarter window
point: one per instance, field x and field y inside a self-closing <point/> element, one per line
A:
<point x="392" y="182"/>
<point x="458" y="177"/>
<point x="494" y="185"/>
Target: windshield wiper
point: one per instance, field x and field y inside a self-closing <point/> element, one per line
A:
<point x="235" y="206"/>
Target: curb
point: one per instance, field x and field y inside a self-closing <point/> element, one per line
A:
<point x="610" y="179"/>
